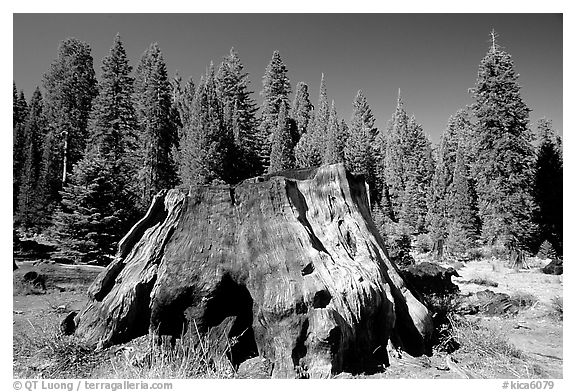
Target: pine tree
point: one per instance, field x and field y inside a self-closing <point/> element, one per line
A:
<point x="282" y="152"/>
<point x="113" y="126"/>
<point x="70" y="89"/>
<point x="335" y="139"/>
<point x="504" y="154"/>
<point x="99" y="201"/>
<point x="391" y="171"/>
<point x="462" y="227"/>
<point x="405" y="171"/>
<point x="95" y="211"/>
<point x="438" y="202"/>
<point x="207" y="145"/>
<point x="157" y="134"/>
<point x="310" y="150"/>
<point x="276" y="89"/>
<point x="240" y="107"/>
<point x="359" y="152"/>
<point x="548" y="187"/>
<point x="20" y="113"/>
<point x="183" y="100"/>
<point x="28" y="195"/>
<point x="419" y="169"/>
<point x="301" y="109"/>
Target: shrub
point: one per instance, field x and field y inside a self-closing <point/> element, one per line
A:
<point x="475" y="254"/>
<point x="423" y="243"/>
<point x="523" y="300"/>
<point x="546" y="251"/>
<point x="558" y="307"/>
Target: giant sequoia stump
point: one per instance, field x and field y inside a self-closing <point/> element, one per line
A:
<point x="292" y="261"/>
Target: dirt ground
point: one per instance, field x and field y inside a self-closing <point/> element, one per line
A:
<point x="535" y="333"/>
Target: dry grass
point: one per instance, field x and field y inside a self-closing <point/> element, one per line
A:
<point x="52" y="355"/>
<point x="191" y="356"/>
<point x="487" y="353"/>
<point x="21" y="287"/>
<point x="557" y="308"/>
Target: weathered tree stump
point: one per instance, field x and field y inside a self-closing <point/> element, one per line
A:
<point x="294" y="259"/>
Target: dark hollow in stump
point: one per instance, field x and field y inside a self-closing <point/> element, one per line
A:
<point x="293" y="259"/>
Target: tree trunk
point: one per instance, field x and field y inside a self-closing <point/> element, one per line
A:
<point x="294" y="259"/>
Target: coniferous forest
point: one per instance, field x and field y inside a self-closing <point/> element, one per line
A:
<point x="89" y="154"/>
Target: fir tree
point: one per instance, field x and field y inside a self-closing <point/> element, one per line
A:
<point x="70" y="89"/>
<point x="335" y="139"/>
<point x="391" y="171"/>
<point x="406" y="170"/>
<point x="460" y="199"/>
<point x="96" y="211"/>
<point x="321" y="117"/>
<point x="310" y="150"/>
<point x="359" y="152"/>
<point x="418" y="173"/>
<point x="240" y="107"/>
<point x="99" y="201"/>
<point x="438" y="202"/>
<point x="282" y="153"/>
<point x="548" y="187"/>
<point x="276" y="89"/>
<point x="113" y="123"/>
<point x="504" y="154"/>
<point x="157" y="132"/>
<point x="29" y="206"/>
<point x="20" y="113"/>
<point x="207" y="145"/>
<point x="301" y="109"/>
<point x="362" y="116"/>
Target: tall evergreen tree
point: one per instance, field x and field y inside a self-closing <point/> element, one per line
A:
<point x="548" y="187"/>
<point x="504" y="154"/>
<point x="311" y="147"/>
<point x="359" y="152"/>
<point x="113" y="125"/>
<point x="321" y="115"/>
<point x="282" y="153"/>
<point x="240" y="107"/>
<point x="207" y="145"/>
<point x="419" y="169"/>
<point x="157" y="134"/>
<point x="405" y="171"/>
<point x="276" y="89"/>
<point x="438" y="201"/>
<point x="391" y="171"/>
<point x="99" y="201"/>
<point x="20" y="114"/>
<point x="335" y="139"/>
<point x="462" y="226"/>
<point x="70" y="89"/>
<point x="301" y="109"/>
<point x="29" y="206"/>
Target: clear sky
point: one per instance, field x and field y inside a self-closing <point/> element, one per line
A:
<point x="432" y="58"/>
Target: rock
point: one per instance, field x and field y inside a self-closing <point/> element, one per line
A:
<point x="294" y="260"/>
<point x="256" y="367"/>
<point x="488" y="303"/>
<point x="68" y="326"/>
<point x="555" y="267"/>
<point x="431" y="278"/>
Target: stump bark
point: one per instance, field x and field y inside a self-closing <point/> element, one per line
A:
<point x="294" y="260"/>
